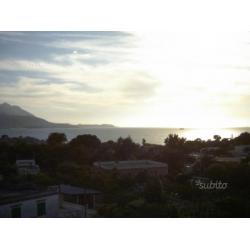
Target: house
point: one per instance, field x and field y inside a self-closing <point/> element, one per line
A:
<point x="29" y="204"/>
<point x="241" y="150"/>
<point x="134" y="167"/>
<point x="236" y="160"/>
<point x="62" y="201"/>
<point x="209" y="151"/>
<point x="27" y="167"/>
<point x="196" y="155"/>
<point x="84" y="198"/>
<point x="152" y="149"/>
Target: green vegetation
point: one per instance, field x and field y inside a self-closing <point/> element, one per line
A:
<point x="141" y="195"/>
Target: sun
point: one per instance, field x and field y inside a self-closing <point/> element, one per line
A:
<point x="194" y="76"/>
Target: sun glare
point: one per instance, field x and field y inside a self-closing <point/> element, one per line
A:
<point x="195" y="72"/>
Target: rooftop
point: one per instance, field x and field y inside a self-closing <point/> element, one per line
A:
<point x="27" y="160"/>
<point x="229" y="159"/>
<point x="12" y="196"/>
<point x="135" y="164"/>
<point x="24" y="163"/>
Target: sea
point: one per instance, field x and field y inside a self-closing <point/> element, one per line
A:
<point x="151" y="135"/>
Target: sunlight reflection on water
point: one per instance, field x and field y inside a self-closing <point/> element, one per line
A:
<point x="152" y="135"/>
<point x="206" y="134"/>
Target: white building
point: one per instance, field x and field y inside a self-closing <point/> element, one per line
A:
<point x="29" y="204"/>
<point x="27" y="167"/>
<point x="62" y="201"/>
<point x="78" y="201"/>
<point x="135" y="166"/>
<point x="234" y="159"/>
<point x="241" y="150"/>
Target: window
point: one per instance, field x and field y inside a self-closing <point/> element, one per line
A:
<point x="41" y="208"/>
<point x="16" y="211"/>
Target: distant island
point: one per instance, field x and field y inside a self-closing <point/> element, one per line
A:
<point x="12" y="116"/>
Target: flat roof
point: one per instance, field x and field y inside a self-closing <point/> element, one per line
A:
<point x="26" y="160"/>
<point x="133" y="164"/>
<point x="12" y="196"/>
<point x="229" y="159"/>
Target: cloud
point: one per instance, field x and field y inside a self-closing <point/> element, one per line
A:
<point x="121" y="76"/>
<point x="139" y="86"/>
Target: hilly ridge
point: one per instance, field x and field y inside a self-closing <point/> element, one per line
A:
<point x="12" y="116"/>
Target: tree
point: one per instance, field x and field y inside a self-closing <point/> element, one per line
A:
<point x="56" y="139"/>
<point x="84" y="149"/>
<point x="126" y="149"/>
<point x="174" y="141"/>
<point x="87" y="140"/>
<point x="7" y="169"/>
<point x="242" y="139"/>
<point x="174" y="153"/>
<point x="216" y="171"/>
<point x="153" y="191"/>
<point x="72" y="173"/>
<point x="217" y="138"/>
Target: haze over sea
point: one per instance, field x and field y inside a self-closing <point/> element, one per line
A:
<point x="152" y="135"/>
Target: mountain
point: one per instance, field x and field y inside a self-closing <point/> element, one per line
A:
<point x="6" y="109"/>
<point x="15" y="117"/>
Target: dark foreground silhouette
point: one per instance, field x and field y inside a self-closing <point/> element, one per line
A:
<point x="204" y="178"/>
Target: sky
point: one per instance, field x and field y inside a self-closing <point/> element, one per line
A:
<point x="129" y="79"/>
